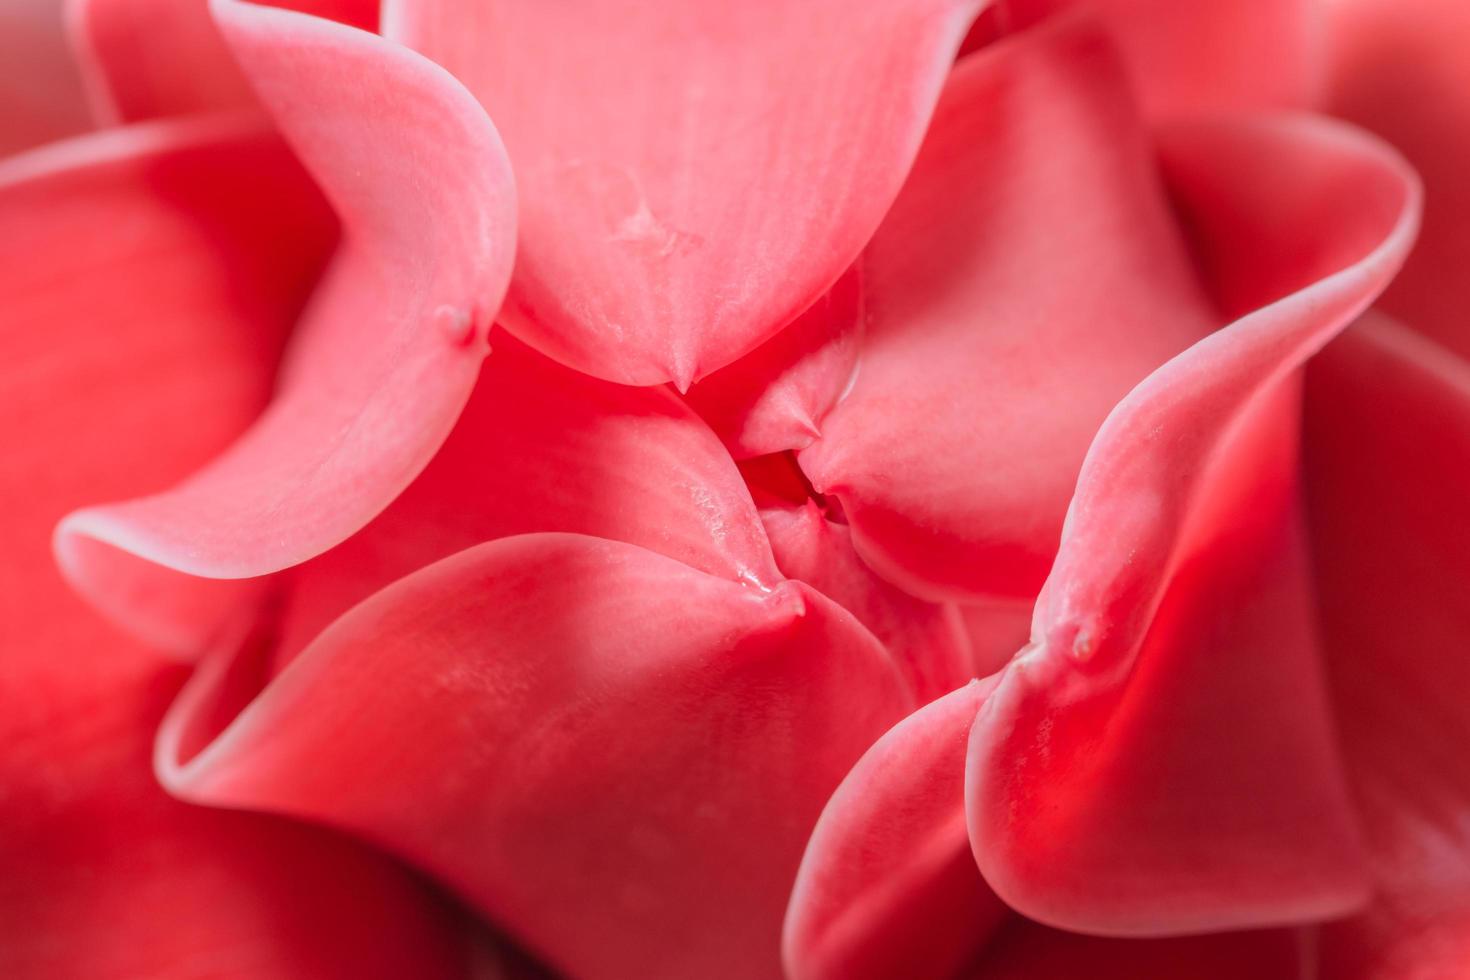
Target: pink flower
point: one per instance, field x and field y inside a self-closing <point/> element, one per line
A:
<point x="910" y="489"/>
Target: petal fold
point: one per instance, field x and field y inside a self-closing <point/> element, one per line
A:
<point x="927" y="640"/>
<point x="128" y="228"/>
<point x="678" y="207"/>
<point x="1160" y="760"/>
<point x="613" y="755"/>
<point x="1028" y="276"/>
<point x="541" y="447"/>
<point x="388" y="351"/>
<point x="887" y="887"/>
<point x="104" y="874"/>
<point x="774" y="399"/>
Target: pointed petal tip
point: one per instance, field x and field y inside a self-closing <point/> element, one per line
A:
<point x="606" y="106"/>
<point x="803" y="425"/>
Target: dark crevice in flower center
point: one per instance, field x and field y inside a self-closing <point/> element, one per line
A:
<point x="776" y="480"/>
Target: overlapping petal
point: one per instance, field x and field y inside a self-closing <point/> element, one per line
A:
<point x="773" y="399"/>
<point x="927" y="640"/>
<point x="1388" y="472"/>
<point x="126" y="231"/>
<point x="612" y="754"/>
<point x="678" y="205"/>
<point x="887" y="886"/>
<point x="540" y="447"/>
<point x="1028" y="276"/>
<point x="104" y="874"/>
<point x="1161" y="760"/>
<point x="388" y="351"/>
<point x="150" y="58"/>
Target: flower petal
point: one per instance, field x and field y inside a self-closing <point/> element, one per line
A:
<point x="613" y="755"/>
<point x="150" y="58"/>
<point x="887" y="887"/>
<point x="1388" y="464"/>
<point x="1400" y="70"/>
<point x="105" y="875"/>
<point x="678" y="208"/>
<point x="543" y="448"/>
<point x="774" y="398"/>
<point x="390" y="347"/>
<point x="927" y="640"/>
<point x="1029" y="275"/>
<point x="1161" y="760"/>
<point x="131" y="222"/>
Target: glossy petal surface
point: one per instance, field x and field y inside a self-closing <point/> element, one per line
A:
<point x="774" y="399"/>
<point x="543" y="448"/>
<point x="135" y="215"/>
<point x="927" y="639"/>
<point x="105" y="875"/>
<point x="388" y="351"/>
<point x="1388" y="464"/>
<point x="1027" y="277"/>
<point x="887" y="886"/>
<point x="1401" y="71"/>
<point x="678" y="208"/>
<point x="1162" y="759"/>
<point x="626" y="755"/>
<point x="149" y="58"/>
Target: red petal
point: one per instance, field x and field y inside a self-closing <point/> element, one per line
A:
<point x="1028" y="276"/>
<point x="617" y="757"/>
<point x="1310" y="248"/>
<point x="774" y="398"/>
<point x="1388" y="459"/>
<point x="104" y="875"/>
<point x="1192" y="58"/>
<point x="131" y="223"/>
<point x="887" y="887"/>
<point x="390" y="347"/>
<point x="1400" y="70"/>
<point x="148" y="58"/>
<point x="678" y="208"/>
<point x="543" y="448"/>
<point x="926" y="639"/>
<point x="1161" y="761"/>
<point x="1033" y="952"/>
